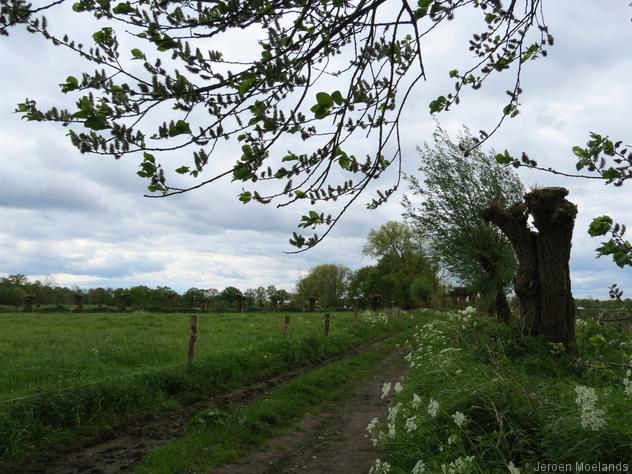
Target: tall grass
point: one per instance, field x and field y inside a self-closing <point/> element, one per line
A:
<point x="73" y="374"/>
<point x="509" y="403"/>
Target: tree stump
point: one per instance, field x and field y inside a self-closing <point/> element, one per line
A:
<point x="543" y="283"/>
<point x="28" y="303"/>
<point x="78" y="302"/>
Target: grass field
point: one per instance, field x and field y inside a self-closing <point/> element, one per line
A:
<point x="66" y="374"/>
<point x="43" y="352"/>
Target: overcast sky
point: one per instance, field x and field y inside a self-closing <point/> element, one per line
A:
<point x="82" y="220"/>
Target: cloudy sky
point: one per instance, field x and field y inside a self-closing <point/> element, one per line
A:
<point x="82" y="220"/>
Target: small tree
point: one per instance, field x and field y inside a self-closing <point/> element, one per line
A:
<point x="401" y="259"/>
<point x="454" y="192"/>
<point x="232" y="296"/>
<point x="326" y="283"/>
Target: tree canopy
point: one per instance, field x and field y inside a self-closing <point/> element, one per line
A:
<point x="453" y="194"/>
<point x="327" y="283"/>
<point x="176" y="90"/>
<point x="402" y="261"/>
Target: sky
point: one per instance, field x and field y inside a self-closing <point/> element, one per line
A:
<point x="80" y="220"/>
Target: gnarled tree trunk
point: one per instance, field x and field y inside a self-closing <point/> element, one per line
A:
<point x="543" y="282"/>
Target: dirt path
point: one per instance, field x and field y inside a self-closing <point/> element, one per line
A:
<point x="333" y="442"/>
<point x="120" y="449"/>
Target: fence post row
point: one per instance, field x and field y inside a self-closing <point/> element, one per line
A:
<point x="193" y="339"/>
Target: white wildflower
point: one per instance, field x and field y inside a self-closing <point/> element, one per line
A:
<point x="398" y="387"/>
<point x="591" y="417"/>
<point x="393" y="412"/>
<point x="453" y="439"/>
<point x="459" y="418"/>
<point x="386" y="388"/>
<point x="411" y="424"/>
<point x="512" y="469"/>
<point x="419" y="468"/>
<point x="433" y="408"/>
<point x="627" y="382"/>
<point x="416" y="402"/>
<point x="371" y="427"/>
<point x="380" y="467"/>
<point x="374" y="431"/>
<point x="458" y="466"/>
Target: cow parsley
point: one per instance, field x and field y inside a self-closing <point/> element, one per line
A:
<point x="380" y="467"/>
<point x="411" y="424"/>
<point x="592" y="417"/>
<point x="386" y="389"/>
<point x="433" y="408"/>
<point x="419" y="468"/>
<point x="459" y="418"/>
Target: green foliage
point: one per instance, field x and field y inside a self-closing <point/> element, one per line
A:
<point x="519" y="397"/>
<point x="373" y="49"/>
<point x="328" y="283"/>
<point x="402" y="259"/>
<point x="455" y="190"/>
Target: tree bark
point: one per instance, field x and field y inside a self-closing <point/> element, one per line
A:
<point x="542" y="283"/>
<point x="503" y="312"/>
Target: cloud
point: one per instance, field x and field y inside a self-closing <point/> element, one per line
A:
<point x="83" y="219"/>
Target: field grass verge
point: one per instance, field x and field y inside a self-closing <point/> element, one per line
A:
<point x="34" y="423"/>
<point x="218" y="437"/>
<point x="482" y="398"/>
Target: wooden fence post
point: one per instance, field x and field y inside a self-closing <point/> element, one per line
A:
<point x="193" y="339"/>
<point x="286" y="327"/>
<point x="327" y="321"/>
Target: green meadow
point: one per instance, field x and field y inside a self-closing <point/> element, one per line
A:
<point x="65" y="375"/>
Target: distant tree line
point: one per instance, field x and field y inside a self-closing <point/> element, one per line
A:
<point x="16" y="289"/>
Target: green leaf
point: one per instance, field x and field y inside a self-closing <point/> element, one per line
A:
<point x="319" y="111"/>
<point x="71" y="84"/>
<point x="438" y="104"/>
<point x="246" y="85"/>
<point x="611" y="173"/>
<point x="166" y="43"/>
<point x="179" y="128"/>
<point x="96" y="122"/>
<point x="337" y="98"/>
<point x="504" y="158"/>
<point x="245" y="197"/>
<point x="241" y="173"/>
<point x="138" y="54"/>
<point x="182" y="170"/>
<point x="149" y="157"/>
<point x="600" y="226"/>
<point x="530" y="52"/>
<point x="454" y="73"/>
<point x="123" y="8"/>
<point x="344" y="161"/>
<point x="266" y="55"/>
<point x="324" y="100"/>
<point x="313" y="215"/>
<point x="581" y="152"/>
<point x="300" y="194"/>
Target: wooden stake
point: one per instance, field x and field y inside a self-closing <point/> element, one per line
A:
<point x="193" y="339"/>
<point x="327" y="320"/>
<point x="286" y="327"/>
